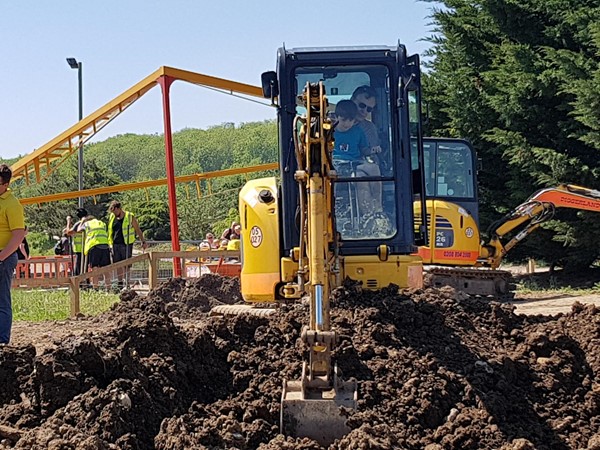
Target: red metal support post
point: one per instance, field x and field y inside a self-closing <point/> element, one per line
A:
<point x="165" y="84"/>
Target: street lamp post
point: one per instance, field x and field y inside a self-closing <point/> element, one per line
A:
<point x="74" y="64"/>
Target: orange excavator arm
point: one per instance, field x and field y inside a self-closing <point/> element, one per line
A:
<point x="539" y="208"/>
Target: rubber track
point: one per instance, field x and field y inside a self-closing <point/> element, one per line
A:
<point x="484" y="275"/>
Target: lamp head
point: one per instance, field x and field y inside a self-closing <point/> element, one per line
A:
<point x="73" y="63"/>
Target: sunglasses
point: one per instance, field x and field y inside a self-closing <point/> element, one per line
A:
<point x="361" y="105"/>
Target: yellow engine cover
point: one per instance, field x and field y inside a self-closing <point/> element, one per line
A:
<point x="454" y="236"/>
<point x="260" y="240"/>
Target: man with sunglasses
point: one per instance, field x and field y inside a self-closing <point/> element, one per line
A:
<point x="365" y="99"/>
<point x="12" y="232"/>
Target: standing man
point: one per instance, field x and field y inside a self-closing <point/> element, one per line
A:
<point x="78" y="238"/>
<point x="122" y="229"/>
<point x="12" y="233"/>
<point x="95" y="246"/>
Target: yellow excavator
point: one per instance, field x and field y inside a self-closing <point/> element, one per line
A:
<point x="306" y="231"/>
<point x="456" y="255"/>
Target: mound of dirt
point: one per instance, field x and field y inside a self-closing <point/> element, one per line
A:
<point x="435" y="370"/>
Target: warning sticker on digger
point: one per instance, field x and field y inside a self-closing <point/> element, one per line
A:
<point x="256" y="236"/>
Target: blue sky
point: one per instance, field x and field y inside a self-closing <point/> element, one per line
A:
<point x="120" y="42"/>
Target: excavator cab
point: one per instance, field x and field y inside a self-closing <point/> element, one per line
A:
<point x="375" y="238"/>
<point x="337" y="210"/>
<point x="452" y="202"/>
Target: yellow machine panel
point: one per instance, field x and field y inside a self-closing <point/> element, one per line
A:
<point x="259" y="216"/>
<point x="403" y="270"/>
<point x="454" y="238"/>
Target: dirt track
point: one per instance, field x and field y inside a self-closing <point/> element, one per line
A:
<point x="436" y="370"/>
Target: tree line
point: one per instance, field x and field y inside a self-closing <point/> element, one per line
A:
<point x="209" y="207"/>
<point x="521" y="81"/>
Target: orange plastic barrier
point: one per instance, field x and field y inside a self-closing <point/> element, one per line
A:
<point x="44" y="267"/>
<point x="226" y="269"/>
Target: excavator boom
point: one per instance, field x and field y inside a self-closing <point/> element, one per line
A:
<point x="539" y="208"/>
<point x="311" y="405"/>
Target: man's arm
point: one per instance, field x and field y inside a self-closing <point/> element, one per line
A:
<point x="12" y="246"/>
<point x="363" y="143"/>
<point x="71" y="228"/>
<point x="23" y="250"/>
<point x="372" y="137"/>
<point x="138" y="231"/>
<point x="81" y="226"/>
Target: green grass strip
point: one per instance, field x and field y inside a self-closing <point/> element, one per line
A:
<point x="42" y="304"/>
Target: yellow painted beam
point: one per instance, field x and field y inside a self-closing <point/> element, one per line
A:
<point x="214" y="82"/>
<point x="197" y="177"/>
<point x="65" y="144"/>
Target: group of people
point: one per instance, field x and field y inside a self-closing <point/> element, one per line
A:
<point x="94" y="244"/>
<point x="229" y="240"/>
<point x="92" y="241"/>
<point x="357" y="145"/>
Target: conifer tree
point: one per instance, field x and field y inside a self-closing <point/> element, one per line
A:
<point x="521" y="80"/>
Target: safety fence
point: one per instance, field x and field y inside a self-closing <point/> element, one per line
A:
<point x="141" y="273"/>
<point x="37" y="271"/>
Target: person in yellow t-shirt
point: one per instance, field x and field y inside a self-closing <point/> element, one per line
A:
<point x="12" y="232"/>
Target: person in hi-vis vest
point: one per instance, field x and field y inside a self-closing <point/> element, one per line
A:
<point x="95" y="246"/>
<point x="76" y="240"/>
<point x="122" y="230"/>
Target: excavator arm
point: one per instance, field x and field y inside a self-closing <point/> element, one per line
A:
<point x="311" y="405"/>
<point x="539" y="208"/>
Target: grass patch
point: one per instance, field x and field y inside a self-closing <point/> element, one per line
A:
<point x="41" y="304"/>
<point x="533" y="286"/>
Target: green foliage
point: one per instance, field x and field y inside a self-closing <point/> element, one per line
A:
<point x="40" y="243"/>
<point x="153" y="218"/>
<point x="521" y="80"/>
<point x="10" y="161"/>
<point x="206" y="214"/>
<point x="130" y="158"/>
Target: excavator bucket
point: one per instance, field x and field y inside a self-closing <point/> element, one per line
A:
<point x="313" y="411"/>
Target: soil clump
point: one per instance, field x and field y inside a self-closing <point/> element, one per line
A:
<point x="436" y="370"/>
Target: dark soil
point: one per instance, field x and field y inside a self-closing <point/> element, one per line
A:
<point x="436" y="370"/>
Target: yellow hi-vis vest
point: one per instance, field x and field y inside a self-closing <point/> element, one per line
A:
<point x="128" y="231"/>
<point x="233" y="244"/>
<point x="95" y="234"/>
<point x="77" y="242"/>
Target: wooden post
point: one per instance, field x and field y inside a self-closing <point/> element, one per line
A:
<point x="531" y="265"/>
<point x="152" y="271"/>
<point x="74" y="293"/>
<point x="184" y="263"/>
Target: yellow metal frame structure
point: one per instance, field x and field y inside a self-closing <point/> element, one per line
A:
<point x="196" y="178"/>
<point x="50" y="156"/>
